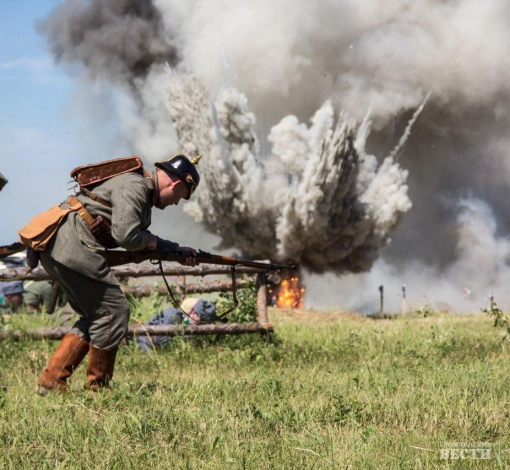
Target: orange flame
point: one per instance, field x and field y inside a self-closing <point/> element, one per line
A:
<point x="290" y="293"/>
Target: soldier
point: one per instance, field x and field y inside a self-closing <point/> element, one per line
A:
<point x="37" y="294"/>
<point x="13" y="294"/>
<point x="3" y="181"/>
<point x="196" y="310"/>
<point x="75" y="259"/>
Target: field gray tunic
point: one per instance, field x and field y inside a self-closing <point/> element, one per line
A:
<point x="74" y="246"/>
<point x="74" y="258"/>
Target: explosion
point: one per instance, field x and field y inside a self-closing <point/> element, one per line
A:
<point x="314" y="192"/>
<point x="318" y="198"/>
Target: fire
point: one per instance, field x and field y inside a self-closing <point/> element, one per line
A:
<point x="290" y="293"/>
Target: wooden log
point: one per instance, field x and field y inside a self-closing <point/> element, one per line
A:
<point x="261" y="298"/>
<point x="206" y="287"/>
<point x="133" y="270"/>
<point x="156" y="330"/>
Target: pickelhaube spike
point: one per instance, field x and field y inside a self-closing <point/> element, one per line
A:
<point x="196" y="159"/>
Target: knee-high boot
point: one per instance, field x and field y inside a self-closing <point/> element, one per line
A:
<point x="62" y="364"/>
<point x="100" y="367"/>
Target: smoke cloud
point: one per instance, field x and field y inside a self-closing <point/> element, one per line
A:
<point x="120" y="40"/>
<point x="286" y="76"/>
<point x="318" y="199"/>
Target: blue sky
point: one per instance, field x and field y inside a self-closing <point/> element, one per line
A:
<point x="38" y="136"/>
<point x="44" y="132"/>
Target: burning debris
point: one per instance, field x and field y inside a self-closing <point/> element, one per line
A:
<point x="318" y="199"/>
<point x="285" y="290"/>
<point x="290" y="293"/>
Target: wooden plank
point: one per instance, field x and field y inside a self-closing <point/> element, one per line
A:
<point x="203" y="288"/>
<point x="132" y="270"/>
<point x="156" y="330"/>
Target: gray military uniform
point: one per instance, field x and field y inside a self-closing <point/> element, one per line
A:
<point x="37" y="293"/>
<point x="75" y="258"/>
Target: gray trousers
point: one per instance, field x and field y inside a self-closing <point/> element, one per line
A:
<point x="103" y="308"/>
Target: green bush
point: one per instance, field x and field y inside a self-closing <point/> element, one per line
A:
<point x="246" y="311"/>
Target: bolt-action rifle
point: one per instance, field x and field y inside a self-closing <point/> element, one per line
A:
<point x="117" y="257"/>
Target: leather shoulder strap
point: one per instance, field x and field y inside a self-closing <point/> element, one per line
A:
<point x="77" y="206"/>
<point x="95" y="197"/>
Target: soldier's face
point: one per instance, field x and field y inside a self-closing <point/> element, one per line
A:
<point x="194" y="317"/>
<point x="171" y="190"/>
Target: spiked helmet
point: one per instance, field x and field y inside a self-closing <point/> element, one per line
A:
<point x="184" y="168"/>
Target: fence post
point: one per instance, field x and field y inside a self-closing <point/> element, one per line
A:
<point x="261" y="298"/>
<point x="381" y="294"/>
<point x="404" y="300"/>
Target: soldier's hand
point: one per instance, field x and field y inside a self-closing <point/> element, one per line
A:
<point x="190" y="254"/>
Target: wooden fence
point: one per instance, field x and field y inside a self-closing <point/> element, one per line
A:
<point x="146" y="269"/>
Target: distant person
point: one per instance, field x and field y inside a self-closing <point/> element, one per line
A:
<point x="3" y="181"/>
<point x="196" y="310"/>
<point x="39" y="294"/>
<point x="66" y="316"/>
<point x="12" y="292"/>
<point x="34" y="295"/>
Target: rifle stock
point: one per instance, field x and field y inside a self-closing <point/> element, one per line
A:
<point x="118" y="257"/>
<point x="11" y="249"/>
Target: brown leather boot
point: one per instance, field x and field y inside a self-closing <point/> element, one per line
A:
<point x="100" y="367"/>
<point x="62" y="364"/>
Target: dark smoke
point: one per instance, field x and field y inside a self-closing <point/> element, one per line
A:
<point x="118" y="40"/>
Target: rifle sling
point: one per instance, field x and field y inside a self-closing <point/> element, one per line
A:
<point x="234" y="295"/>
<point x="170" y="290"/>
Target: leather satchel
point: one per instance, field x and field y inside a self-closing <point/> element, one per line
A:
<point x="41" y="229"/>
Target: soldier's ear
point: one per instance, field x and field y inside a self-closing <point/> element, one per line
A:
<point x="182" y="187"/>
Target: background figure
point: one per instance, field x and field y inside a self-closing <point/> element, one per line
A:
<point x="37" y="294"/>
<point x="13" y="295"/>
<point x="3" y="181"/>
<point x="198" y="310"/>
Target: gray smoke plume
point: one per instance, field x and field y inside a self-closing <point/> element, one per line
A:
<point x="318" y="199"/>
<point x="119" y="42"/>
<point x="289" y="59"/>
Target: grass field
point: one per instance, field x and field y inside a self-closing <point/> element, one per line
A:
<point x="329" y="391"/>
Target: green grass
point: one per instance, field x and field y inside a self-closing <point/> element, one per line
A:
<point x="329" y="391"/>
